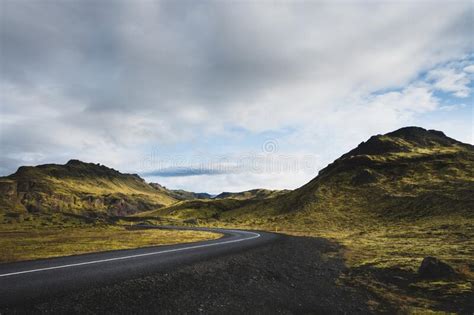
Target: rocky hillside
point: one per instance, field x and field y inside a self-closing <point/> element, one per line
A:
<point x="78" y="187"/>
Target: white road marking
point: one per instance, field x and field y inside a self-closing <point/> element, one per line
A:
<point x="255" y="235"/>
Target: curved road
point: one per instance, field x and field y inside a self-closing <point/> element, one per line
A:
<point x="24" y="282"/>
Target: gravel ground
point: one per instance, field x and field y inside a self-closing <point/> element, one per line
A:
<point x="293" y="275"/>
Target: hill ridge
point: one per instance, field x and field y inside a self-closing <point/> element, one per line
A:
<point x="78" y="187"/>
<point x="404" y="140"/>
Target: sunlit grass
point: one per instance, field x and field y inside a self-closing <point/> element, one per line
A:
<point x="22" y="242"/>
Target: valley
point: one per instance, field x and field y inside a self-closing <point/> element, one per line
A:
<point x="386" y="205"/>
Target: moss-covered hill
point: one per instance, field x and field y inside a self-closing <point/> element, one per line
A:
<point x="408" y="174"/>
<point x="78" y="187"/>
<point x="411" y="173"/>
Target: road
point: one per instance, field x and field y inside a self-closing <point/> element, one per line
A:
<point x="26" y="282"/>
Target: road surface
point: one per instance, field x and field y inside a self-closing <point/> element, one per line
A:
<point x="26" y="282"/>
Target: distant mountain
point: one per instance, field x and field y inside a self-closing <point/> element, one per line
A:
<point x="78" y="187"/>
<point x="180" y="194"/>
<point x="257" y="194"/>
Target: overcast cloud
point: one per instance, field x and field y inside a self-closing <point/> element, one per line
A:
<point x="111" y="81"/>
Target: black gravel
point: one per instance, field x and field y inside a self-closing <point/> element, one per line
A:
<point x="294" y="275"/>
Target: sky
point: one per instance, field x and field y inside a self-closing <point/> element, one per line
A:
<point x="213" y="96"/>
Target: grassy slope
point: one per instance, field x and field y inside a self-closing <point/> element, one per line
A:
<point x="392" y="201"/>
<point x="78" y="187"/>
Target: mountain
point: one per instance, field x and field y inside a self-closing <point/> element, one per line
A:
<point x="180" y="194"/>
<point x="257" y="194"/>
<point x="391" y="203"/>
<point x="411" y="173"/>
<point x="80" y="188"/>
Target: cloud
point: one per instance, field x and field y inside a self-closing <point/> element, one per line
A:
<point x="105" y="81"/>
<point x="184" y="172"/>
<point x="416" y="98"/>
<point x="450" y="80"/>
<point x="469" y="69"/>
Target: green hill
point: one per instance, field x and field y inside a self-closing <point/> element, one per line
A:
<point x="78" y="188"/>
<point x="408" y="174"/>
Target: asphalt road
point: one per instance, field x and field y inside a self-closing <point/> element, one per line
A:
<point x="26" y="282"/>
